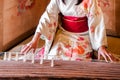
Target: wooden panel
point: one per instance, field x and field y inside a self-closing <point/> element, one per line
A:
<point x="73" y="70"/>
<point x="1" y="24"/>
<point x="111" y="9"/>
<point x="117" y="14"/>
<point x="16" y="28"/>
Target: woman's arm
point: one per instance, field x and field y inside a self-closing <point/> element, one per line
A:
<point x="46" y="27"/>
<point x="96" y="24"/>
<point x="97" y="32"/>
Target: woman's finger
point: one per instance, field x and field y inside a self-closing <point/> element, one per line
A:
<point x="99" y="56"/>
<point x="33" y="50"/>
<point x="26" y="48"/>
<point x="109" y="57"/>
<point x="23" y="49"/>
<point x="104" y="56"/>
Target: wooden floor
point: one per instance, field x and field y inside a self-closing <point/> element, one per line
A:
<point x="113" y="45"/>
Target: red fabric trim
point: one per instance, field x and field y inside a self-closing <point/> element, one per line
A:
<point x="75" y="24"/>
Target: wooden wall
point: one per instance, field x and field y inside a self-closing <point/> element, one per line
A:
<point x="1" y="21"/>
<point x="15" y="27"/>
<point x="117" y="18"/>
<point x="111" y="9"/>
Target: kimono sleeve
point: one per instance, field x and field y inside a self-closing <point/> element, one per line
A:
<point x="48" y="24"/>
<point x="97" y="31"/>
<point x="48" y="21"/>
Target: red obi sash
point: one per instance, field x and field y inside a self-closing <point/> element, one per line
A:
<point x="75" y="24"/>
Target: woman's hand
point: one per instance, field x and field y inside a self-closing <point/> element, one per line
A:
<point x="29" y="46"/>
<point x="32" y="44"/>
<point x="102" y="51"/>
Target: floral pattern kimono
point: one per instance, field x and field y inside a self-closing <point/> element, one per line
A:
<point x="66" y="45"/>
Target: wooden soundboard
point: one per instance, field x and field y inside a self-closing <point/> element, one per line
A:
<point x="62" y="70"/>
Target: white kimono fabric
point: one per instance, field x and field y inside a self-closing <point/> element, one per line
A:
<point x="66" y="45"/>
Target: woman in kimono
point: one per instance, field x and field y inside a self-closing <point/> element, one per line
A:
<point x="80" y="31"/>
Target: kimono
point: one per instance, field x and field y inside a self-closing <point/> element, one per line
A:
<point x="67" y="45"/>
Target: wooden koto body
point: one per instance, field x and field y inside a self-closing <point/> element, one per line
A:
<point x="73" y="70"/>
